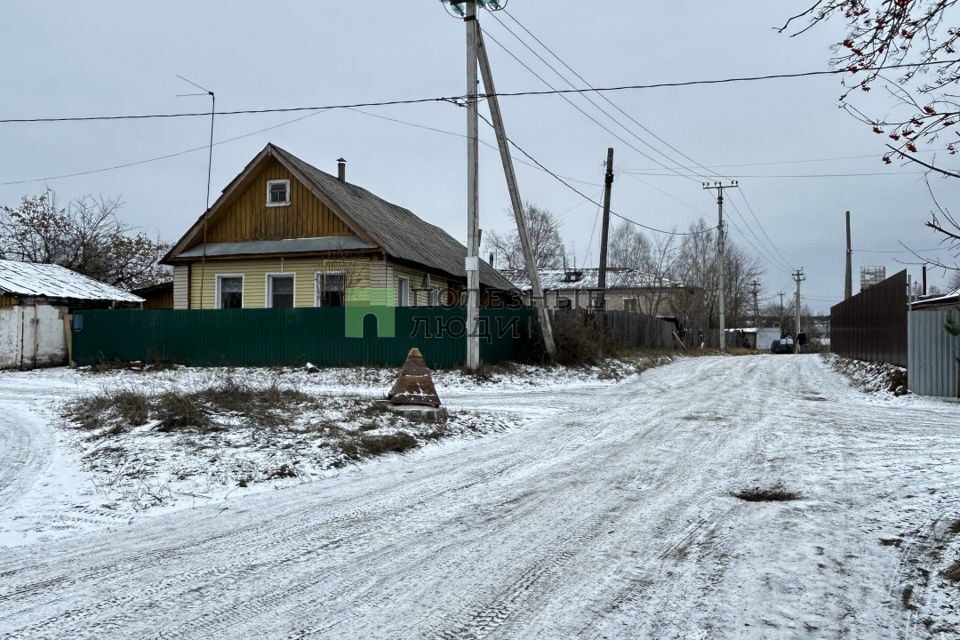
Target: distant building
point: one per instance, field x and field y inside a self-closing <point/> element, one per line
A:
<point x="870" y="276"/>
<point x="626" y="290"/>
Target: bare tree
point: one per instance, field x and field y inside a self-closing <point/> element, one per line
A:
<point x="954" y="282"/>
<point x="883" y="33"/>
<point x="545" y="239"/>
<point x="85" y="236"/>
<point x="630" y="248"/>
<point x="697" y="266"/>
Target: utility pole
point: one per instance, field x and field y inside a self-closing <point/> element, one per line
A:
<point x="607" y="188"/>
<point x="720" y="255"/>
<point x="848" y="282"/>
<point x="780" y="317"/>
<point x="536" y="290"/>
<point x="755" y="290"/>
<point x="472" y="263"/>
<point x="798" y="278"/>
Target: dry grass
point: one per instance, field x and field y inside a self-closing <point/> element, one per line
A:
<point x="365" y="446"/>
<point x="116" y="411"/>
<point x="953" y="572"/>
<point x="776" y="493"/>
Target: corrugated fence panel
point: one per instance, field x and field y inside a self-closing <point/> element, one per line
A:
<point x="933" y="368"/>
<point x="872" y="325"/>
<point x="292" y="337"/>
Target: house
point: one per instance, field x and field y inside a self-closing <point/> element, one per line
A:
<point x="34" y="302"/>
<point x="286" y="234"/>
<point x="626" y="289"/>
<point x="156" y="296"/>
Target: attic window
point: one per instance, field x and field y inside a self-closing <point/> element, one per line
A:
<point x="278" y="193"/>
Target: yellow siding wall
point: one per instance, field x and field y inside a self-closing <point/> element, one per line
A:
<point x="7" y="300"/>
<point x="360" y="273"/>
<point x="417" y="298"/>
<point x="255" y="272"/>
<point x="246" y="216"/>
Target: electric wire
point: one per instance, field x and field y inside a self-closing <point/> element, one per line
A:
<point x="460" y="99"/>
<point x="167" y="156"/>
<point x="588" y="198"/>
<point x="770" y="242"/>
<point x="581" y="110"/>
<point x="588" y="98"/>
<point x="712" y="174"/>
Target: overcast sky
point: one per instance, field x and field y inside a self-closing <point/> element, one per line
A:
<point x="69" y="58"/>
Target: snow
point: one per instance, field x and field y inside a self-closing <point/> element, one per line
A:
<point x="605" y="510"/>
<point x="54" y="281"/>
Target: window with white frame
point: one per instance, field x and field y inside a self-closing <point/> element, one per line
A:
<point x="229" y="292"/>
<point x="280" y="288"/>
<point x="278" y="193"/>
<point x="331" y="289"/>
<point x="403" y="291"/>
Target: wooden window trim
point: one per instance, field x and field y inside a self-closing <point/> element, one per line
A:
<point x="243" y="287"/>
<point x="268" y="289"/>
<point x="284" y="182"/>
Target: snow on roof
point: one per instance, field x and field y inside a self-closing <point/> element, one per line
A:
<point x="54" y="281"/>
<point x="950" y="298"/>
<point x="617" y="278"/>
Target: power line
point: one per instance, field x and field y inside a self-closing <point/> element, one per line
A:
<point x="459" y="99"/>
<point x="258" y="131"/>
<point x="576" y="106"/>
<point x="158" y="158"/>
<point x="779" y="162"/>
<point x="763" y="230"/>
<point x="802" y="175"/>
<point x="586" y="96"/>
<point x="709" y="171"/>
<point x="604" y="97"/>
<point x="588" y="198"/>
<point x="460" y="135"/>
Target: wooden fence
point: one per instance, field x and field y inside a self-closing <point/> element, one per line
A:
<point x="627" y="329"/>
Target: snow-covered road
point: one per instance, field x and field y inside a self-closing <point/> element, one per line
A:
<point x="608" y="516"/>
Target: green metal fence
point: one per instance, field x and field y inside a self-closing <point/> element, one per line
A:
<point x="292" y="337"/>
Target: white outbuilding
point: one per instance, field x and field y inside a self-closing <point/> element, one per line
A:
<point x="35" y="301"/>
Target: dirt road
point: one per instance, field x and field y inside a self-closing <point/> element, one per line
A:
<point x="609" y="516"/>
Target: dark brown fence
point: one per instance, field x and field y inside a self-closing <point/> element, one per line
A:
<point x="872" y="325"/>
<point x="629" y="329"/>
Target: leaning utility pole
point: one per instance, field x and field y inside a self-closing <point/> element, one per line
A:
<point x="848" y="282"/>
<point x="607" y="187"/>
<point x="536" y="291"/>
<point x="720" y="255"/>
<point x="755" y="290"/>
<point x="798" y="278"/>
<point x="472" y="263"/>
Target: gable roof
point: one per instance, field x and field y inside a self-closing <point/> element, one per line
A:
<point x="54" y="281"/>
<point x="396" y="230"/>
<point x="589" y="278"/>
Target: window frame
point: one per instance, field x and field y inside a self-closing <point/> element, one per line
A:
<point x="317" y="293"/>
<point x="286" y="184"/>
<point x="406" y="301"/>
<point x="268" y="288"/>
<point x="219" y="289"/>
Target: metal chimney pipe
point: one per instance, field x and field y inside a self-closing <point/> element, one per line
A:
<point x="341" y="170"/>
